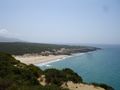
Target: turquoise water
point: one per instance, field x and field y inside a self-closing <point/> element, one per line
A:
<point x="101" y="66"/>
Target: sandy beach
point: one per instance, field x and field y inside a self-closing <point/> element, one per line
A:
<point x="80" y="86"/>
<point x="38" y="59"/>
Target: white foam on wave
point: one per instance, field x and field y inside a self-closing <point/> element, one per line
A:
<point x="47" y="63"/>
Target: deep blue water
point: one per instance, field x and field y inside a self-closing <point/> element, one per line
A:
<point x="102" y="66"/>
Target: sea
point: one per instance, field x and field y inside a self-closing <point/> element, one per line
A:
<point x="101" y="66"/>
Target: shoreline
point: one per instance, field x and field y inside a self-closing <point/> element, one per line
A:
<point x="59" y="59"/>
<point x="39" y="60"/>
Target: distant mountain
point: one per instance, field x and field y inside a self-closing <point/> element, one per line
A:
<point x="6" y="39"/>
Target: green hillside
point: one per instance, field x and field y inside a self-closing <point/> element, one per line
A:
<point x="20" y="48"/>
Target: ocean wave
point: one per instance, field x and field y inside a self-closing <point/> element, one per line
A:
<point x="60" y="59"/>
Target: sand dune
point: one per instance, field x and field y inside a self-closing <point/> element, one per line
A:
<point x="77" y="86"/>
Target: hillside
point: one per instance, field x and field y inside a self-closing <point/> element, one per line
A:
<point x="6" y="39"/>
<point x="15" y="75"/>
<point x="20" y="48"/>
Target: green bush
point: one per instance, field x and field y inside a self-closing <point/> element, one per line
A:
<point x="72" y="76"/>
<point x="58" y="77"/>
<point x="35" y="70"/>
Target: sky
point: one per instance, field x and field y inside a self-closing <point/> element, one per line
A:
<point x="61" y="21"/>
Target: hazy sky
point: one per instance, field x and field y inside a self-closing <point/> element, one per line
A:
<point x="61" y="21"/>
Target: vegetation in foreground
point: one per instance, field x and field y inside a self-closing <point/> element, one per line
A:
<point x="15" y="75"/>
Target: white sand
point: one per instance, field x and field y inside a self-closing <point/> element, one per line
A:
<point x="73" y="86"/>
<point x="40" y="60"/>
<point x="37" y="59"/>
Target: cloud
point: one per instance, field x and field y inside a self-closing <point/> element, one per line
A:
<point x="3" y="31"/>
<point x="6" y="33"/>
